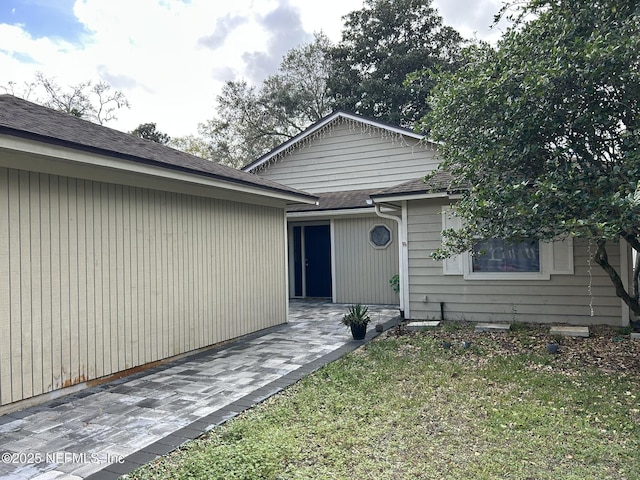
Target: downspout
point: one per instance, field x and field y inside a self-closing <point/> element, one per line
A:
<point x="403" y="258"/>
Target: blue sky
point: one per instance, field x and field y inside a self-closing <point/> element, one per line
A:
<point x="42" y="18"/>
<point x="171" y="57"/>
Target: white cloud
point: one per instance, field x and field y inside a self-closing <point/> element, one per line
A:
<point x="472" y="18"/>
<point x="171" y="57"/>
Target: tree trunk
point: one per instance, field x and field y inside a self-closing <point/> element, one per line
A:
<point x="602" y="259"/>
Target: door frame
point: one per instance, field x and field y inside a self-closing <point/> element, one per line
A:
<point x="291" y="259"/>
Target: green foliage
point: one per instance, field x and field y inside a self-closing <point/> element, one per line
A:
<point x="149" y="131"/>
<point x="403" y="407"/>
<point x="250" y="121"/>
<point x="381" y="44"/>
<point x="543" y="129"/>
<point x="366" y="73"/>
<point x="194" y="145"/>
<point x="395" y="283"/>
<point x="625" y="330"/>
<point x="357" y="315"/>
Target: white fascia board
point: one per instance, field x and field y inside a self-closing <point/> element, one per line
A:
<point x="384" y="126"/>
<point x="411" y="196"/>
<point x="330" y="213"/>
<point x="322" y="123"/>
<point x="71" y="162"/>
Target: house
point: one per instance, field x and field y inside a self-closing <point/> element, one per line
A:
<point x="369" y="177"/>
<point x="117" y="253"/>
<point x="341" y="249"/>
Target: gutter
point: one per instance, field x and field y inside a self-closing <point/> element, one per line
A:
<point x="403" y="262"/>
<point x="92" y="157"/>
<point x="139" y="163"/>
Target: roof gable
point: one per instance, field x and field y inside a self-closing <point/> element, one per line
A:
<point x="316" y="130"/>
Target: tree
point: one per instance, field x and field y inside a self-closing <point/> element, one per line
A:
<point x="149" y="131"/>
<point x="250" y="120"/>
<point x="543" y="130"/>
<point x="194" y="145"/>
<point x="95" y="102"/>
<point x="382" y="44"/>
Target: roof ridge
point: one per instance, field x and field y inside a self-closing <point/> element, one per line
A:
<point x="22" y="118"/>
<point x="317" y="126"/>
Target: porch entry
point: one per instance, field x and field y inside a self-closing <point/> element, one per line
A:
<point x="311" y="272"/>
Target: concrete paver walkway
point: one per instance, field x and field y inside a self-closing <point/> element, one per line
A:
<point x="111" y="429"/>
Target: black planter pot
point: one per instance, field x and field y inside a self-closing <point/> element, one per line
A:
<point x="358" y="331"/>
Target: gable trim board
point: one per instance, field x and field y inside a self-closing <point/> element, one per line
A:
<point x="109" y="264"/>
<point x="338" y="115"/>
<point x="348" y="157"/>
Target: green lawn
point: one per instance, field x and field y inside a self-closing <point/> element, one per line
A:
<point x="403" y="407"/>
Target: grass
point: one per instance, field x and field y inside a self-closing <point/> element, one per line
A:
<point x="402" y="407"/>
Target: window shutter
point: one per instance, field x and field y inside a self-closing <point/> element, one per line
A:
<point x="562" y="256"/>
<point x="452" y="265"/>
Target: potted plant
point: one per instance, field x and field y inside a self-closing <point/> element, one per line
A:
<point x="357" y="318"/>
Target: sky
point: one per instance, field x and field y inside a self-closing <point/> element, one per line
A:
<point x="170" y="58"/>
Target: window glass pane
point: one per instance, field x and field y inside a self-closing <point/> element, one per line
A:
<point x="380" y="236"/>
<point x="494" y="255"/>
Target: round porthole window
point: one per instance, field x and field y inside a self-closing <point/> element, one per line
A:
<point x="380" y="236"/>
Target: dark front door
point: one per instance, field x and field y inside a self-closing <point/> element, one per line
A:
<point x="317" y="252"/>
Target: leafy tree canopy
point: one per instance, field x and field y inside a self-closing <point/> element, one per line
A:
<point x="96" y="102"/>
<point x="149" y="131"/>
<point x="543" y="129"/>
<point x="382" y="44"/>
<point x="251" y="121"/>
<point x="193" y="144"/>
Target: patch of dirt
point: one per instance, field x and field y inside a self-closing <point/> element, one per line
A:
<point x="607" y="348"/>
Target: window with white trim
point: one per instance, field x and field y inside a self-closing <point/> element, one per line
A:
<point x="494" y="259"/>
<point x="495" y="255"/>
<point x="380" y="236"/>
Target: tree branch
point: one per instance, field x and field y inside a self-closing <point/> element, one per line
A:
<point x="602" y="259"/>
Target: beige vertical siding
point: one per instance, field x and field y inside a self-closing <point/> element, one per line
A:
<point x="352" y="158"/>
<point x="97" y="278"/>
<point x="363" y="272"/>
<point x="562" y="299"/>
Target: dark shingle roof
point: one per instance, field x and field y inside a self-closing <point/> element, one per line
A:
<point x="337" y="201"/>
<point x="25" y="119"/>
<point x="440" y="182"/>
